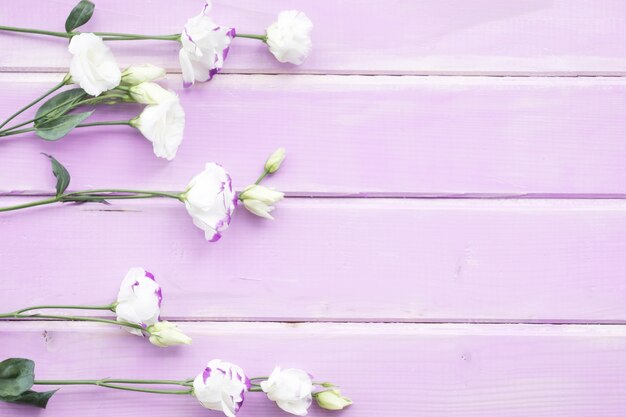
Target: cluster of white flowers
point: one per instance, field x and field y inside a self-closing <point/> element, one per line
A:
<point x="139" y="302"/>
<point x="222" y="386"/>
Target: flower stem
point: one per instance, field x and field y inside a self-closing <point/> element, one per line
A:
<point x="62" y="307"/>
<point x="37" y="31"/>
<point x="112" y="36"/>
<point x="95" y="195"/>
<point x="265" y="174"/>
<point x="69" y="318"/>
<point x="43" y="116"/>
<point x="37" y="100"/>
<point x="262" y="38"/>
<point x="31" y="204"/>
<point x="108" y="383"/>
<point x="116" y="122"/>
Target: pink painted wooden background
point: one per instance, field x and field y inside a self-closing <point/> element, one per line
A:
<point x="454" y="193"/>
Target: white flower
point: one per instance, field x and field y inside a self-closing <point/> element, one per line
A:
<point x="221" y="386"/>
<point x="151" y="93"/>
<point x="291" y="389"/>
<point x="164" y="334"/>
<point x="93" y="66"/>
<point x="163" y="124"/>
<point x="139" y="300"/>
<point x="137" y="74"/>
<point x="204" y="48"/>
<point x="210" y="200"/>
<point x="332" y="400"/>
<point x="260" y="200"/>
<point x="289" y="38"/>
<point x="275" y="160"/>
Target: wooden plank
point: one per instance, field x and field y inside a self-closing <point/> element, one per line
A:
<point x="434" y="370"/>
<point x="332" y="259"/>
<point x="391" y="136"/>
<point x="402" y="37"/>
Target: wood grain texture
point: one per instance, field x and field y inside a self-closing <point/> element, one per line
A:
<point x="364" y="36"/>
<point x="332" y="259"/>
<point x="427" y="370"/>
<point x="391" y="136"/>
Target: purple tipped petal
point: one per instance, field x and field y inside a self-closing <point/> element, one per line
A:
<point x="206" y="374"/>
<point x="150" y="275"/>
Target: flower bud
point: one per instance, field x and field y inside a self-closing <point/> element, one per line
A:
<point x="260" y="200"/>
<point x="332" y="400"/>
<point x="137" y="74"/>
<point x="150" y="93"/>
<point x="275" y="160"/>
<point x="164" y="334"/>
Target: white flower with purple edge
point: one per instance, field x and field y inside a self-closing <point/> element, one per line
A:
<point x="210" y="200"/>
<point x="205" y="47"/>
<point x="291" y="389"/>
<point x="139" y="300"/>
<point x="221" y="387"/>
<point x="289" y="37"/>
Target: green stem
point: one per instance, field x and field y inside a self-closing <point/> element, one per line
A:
<point x="31" y="204"/>
<point x="103" y="194"/>
<point x="262" y="38"/>
<point x="87" y="101"/>
<point x="113" y="36"/>
<point x="62" y="307"/>
<point x="108" y="383"/>
<point x="37" y="31"/>
<point x="37" y="100"/>
<point x="16" y="132"/>
<point x="125" y="191"/>
<point x="70" y="318"/>
<point x="265" y="174"/>
<point x="115" y="122"/>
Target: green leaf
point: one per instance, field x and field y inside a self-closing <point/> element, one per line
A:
<point x="59" y="105"/>
<point x="57" y="128"/>
<point x="62" y="175"/>
<point x="79" y="15"/>
<point x="16" y="376"/>
<point x="32" y="398"/>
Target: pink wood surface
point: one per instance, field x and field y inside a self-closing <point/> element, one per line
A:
<point x="426" y="136"/>
<point x="388" y="370"/>
<point x="333" y="259"/>
<point x="473" y="198"/>
<point x="362" y="36"/>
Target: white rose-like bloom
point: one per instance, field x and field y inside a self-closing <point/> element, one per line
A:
<point x="137" y="74"/>
<point x="210" y="201"/>
<point x="291" y="390"/>
<point x="260" y="200"/>
<point x="164" y="334"/>
<point x="151" y="93"/>
<point x="93" y="65"/>
<point x="139" y="300"/>
<point x="204" y="48"/>
<point x="221" y="387"/>
<point x="163" y="124"/>
<point x="289" y="38"/>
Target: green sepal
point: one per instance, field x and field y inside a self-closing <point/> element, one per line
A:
<point x="57" y="128"/>
<point x="79" y="15"/>
<point x="61" y="174"/>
